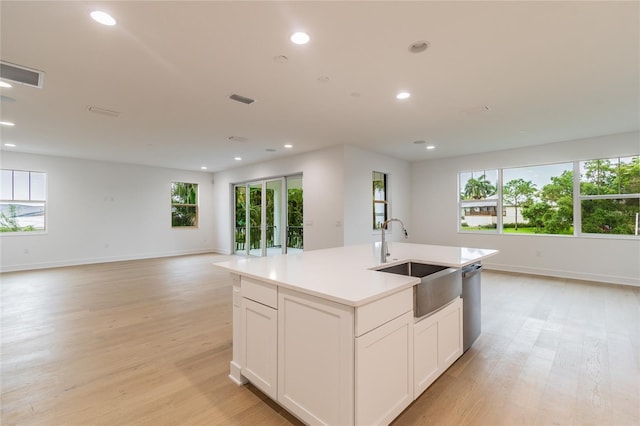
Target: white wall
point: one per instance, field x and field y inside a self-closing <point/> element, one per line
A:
<point x="322" y="184"/>
<point x="100" y="211"/>
<point x="359" y="165"/>
<point x="435" y="215"/>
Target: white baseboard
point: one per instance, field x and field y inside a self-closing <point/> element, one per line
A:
<point x="611" y="279"/>
<point x="235" y="375"/>
<point x="89" y="261"/>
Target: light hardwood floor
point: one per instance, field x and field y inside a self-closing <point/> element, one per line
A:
<point x="149" y="343"/>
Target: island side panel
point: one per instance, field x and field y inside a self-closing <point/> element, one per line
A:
<point x="235" y="366"/>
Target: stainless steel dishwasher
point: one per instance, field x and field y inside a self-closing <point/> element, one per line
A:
<point x="471" y="301"/>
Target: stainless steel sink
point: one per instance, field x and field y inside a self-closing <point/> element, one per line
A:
<point x="438" y="286"/>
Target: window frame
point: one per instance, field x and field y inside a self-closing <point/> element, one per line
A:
<point x="30" y="200"/>
<point x="384" y="201"/>
<point x="617" y="196"/>
<point x="196" y="223"/>
<point x="577" y="202"/>
<point x="489" y="201"/>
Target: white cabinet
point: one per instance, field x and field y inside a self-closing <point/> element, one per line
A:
<point x="384" y="371"/>
<point x="333" y="364"/>
<point x="260" y="349"/>
<point x="315" y="358"/>
<point x="437" y="343"/>
<point x="259" y="325"/>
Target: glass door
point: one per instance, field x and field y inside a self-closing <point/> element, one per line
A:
<point x="268" y="217"/>
<point x="275" y="216"/>
<point x="240" y="220"/>
<point x="255" y="220"/>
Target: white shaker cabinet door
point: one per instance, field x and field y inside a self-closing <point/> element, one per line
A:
<point x="384" y="371"/>
<point x="315" y="358"/>
<point x="450" y="334"/>
<point x="259" y="346"/>
<point x="437" y="343"/>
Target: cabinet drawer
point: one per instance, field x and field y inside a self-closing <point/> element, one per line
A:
<point x="260" y="292"/>
<point x="381" y="311"/>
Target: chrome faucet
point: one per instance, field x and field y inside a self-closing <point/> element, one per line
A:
<point x="383" y="246"/>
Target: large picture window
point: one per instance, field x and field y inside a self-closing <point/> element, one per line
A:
<point x="599" y="196"/>
<point x="538" y="199"/>
<point x="22" y="201"/>
<point x="184" y="204"/>
<point x="380" y="203"/>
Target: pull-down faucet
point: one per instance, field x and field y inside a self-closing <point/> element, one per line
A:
<point x="383" y="246"/>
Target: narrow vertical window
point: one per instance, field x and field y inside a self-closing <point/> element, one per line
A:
<point x="22" y="201"/>
<point x="184" y="204"/>
<point x="380" y="202"/>
<point x="478" y="200"/>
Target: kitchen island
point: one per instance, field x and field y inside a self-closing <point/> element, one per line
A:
<point x="335" y="341"/>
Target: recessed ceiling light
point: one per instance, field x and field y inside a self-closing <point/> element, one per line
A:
<point x="6" y="123"/>
<point x="403" y="95"/>
<point x="300" y="38"/>
<point x="203" y="168"/>
<point x="103" y="18"/>
<point x="5" y="84"/>
<point x="430" y="147"/>
<point x="238" y="158"/>
<point x="10" y="145"/>
<point x="288" y="146"/>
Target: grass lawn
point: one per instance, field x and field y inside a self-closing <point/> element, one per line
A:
<point x="521" y="230"/>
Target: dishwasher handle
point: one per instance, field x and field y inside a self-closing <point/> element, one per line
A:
<point x="471" y="270"/>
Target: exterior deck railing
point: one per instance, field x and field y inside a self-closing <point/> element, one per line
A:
<point x="295" y="237"/>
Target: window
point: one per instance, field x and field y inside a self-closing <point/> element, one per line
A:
<point x="610" y="195"/>
<point x="599" y="196"/>
<point x="538" y="199"/>
<point x="478" y="200"/>
<point x="380" y="211"/>
<point x="184" y="204"/>
<point x="22" y="201"/>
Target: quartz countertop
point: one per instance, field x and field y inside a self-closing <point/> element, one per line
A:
<point x="347" y="274"/>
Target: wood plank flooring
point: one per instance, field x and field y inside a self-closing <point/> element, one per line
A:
<point x="149" y="343"/>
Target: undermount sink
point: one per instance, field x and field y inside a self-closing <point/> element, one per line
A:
<point x="438" y="286"/>
<point x="413" y="269"/>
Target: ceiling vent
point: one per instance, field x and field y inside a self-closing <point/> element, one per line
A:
<point x="103" y="111"/>
<point x="20" y="74"/>
<point x="242" y="99"/>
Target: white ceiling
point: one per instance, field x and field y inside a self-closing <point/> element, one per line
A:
<point x="547" y="71"/>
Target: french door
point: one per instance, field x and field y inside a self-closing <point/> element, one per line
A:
<point x="268" y="216"/>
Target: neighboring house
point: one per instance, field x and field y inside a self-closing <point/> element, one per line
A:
<point x="481" y="213"/>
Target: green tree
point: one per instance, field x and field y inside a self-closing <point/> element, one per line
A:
<point x="559" y="195"/>
<point x="478" y="189"/>
<point x="184" y="204"/>
<point x="535" y="213"/>
<point x="610" y="177"/>
<point x="518" y="192"/>
<point x="9" y="223"/>
<point x="295" y="234"/>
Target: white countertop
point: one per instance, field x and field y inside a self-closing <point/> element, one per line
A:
<point x="346" y="274"/>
